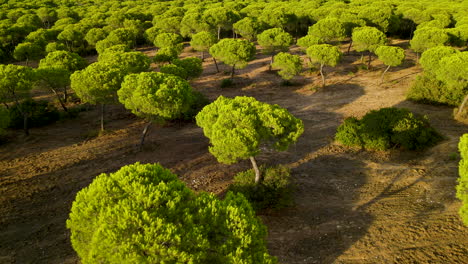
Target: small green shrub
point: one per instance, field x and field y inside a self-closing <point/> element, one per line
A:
<point x="388" y="128"/>
<point x="462" y="187"/>
<point x="199" y="101"/>
<point x="427" y="89"/>
<point x="40" y="113"/>
<point x="226" y="83"/>
<point x="273" y="192"/>
<point x="144" y="214"/>
<point x="174" y="70"/>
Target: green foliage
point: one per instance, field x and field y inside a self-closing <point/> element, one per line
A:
<point x="454" y="70"/>
<point x="274" y="40"/>
<point x="63" y="60"/>
<point x="54" y="46"/>
<point x="248" y="27"/>
<point x="192" y="66"/>
<point x="151" y="34"/>
<point x="98" y="83"/>
<point x="202" y="41"/>
<point x="462" y="187"/>
<point x="165" y="40"/>
<point x="145" y="214"/>
<point x="129" y="62"/>
<point x="166" y="54"/>
<point x="289" y="65"/>
<point x="390" y="56"/>
<point x="193" y="23"/>
<point x="428" y="37"/>
<point x="153" y="94"/>
<point x="324" y="54"/>
<point x="368" y="38"/>
<point x="225" y="83"/>
<point x="174" y="70"/>
<point x="430" y="59"/>
<point x="239" y="127"/>
<point x="427" y="89"/>
<point x="39" y="113"/>
<point x="28" y="51"/>
<point x="236" y="52"/>
<point x="220" y="18"/>
<point x="328" y="29"/>
<point x="273" y="192"/>
<point x="94" y="35"/>
<point x="15" y="82"/>
<point x="388" y="128"/>
<point x="379" y="16"/>
<point x="308" y="41"/>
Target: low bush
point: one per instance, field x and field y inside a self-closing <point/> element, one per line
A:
<point x="144" y="214"/>
<point x="40" y="113"/>
<point x="462" y="187"/>
<point x="199" y="101"/>
<point x="226" y="83"/>
<point x="388" y="128"/>
<point x="273" y="192"/>
<point x="427" y="89"/>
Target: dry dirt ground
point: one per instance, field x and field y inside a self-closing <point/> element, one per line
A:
<point x="351" y="205"/>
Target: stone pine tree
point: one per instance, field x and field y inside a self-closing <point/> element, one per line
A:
<point x="234" y="52"/>
<point x="202" y="41"/>
<point x="220" y="18"/>
<point x="143" y="213"/>
<point x="430" y="59"/>
<point x="428" y="37"/>
<point x="368" y="39"/>
<point x="239" y="128"/>
<point x="273" y="41"/>
<point x="328" y="30"/>
<point x="288" y="64"/>
<point x="324" y="54"/>
<point x="97" y="84"/>
<point x="28" y="51"/>
<point x="247" y="27"/>
<point x="308" y="41"/>
<point x="15" y="85"/>
<point x="155" y="96"/>
<point x="462" y="187"/>
<point x="390" y="56"/>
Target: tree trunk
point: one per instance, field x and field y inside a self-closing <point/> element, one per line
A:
<point x="203" y="55"/>
<point x="271" y="63"/>
<point x="25" y="124"/>
<point x="383" y="74"/>
<point x="233" y="71"/>
<point x="26" y="61"/>
<point x="362" y="57"/>
<point x="60" y="100"/>
<point x="65" y="94"/>
<point x="257" y="171"/>
<point x="460" y="109"/>
<point x="219" y="32"/>
<point x="349" y="47"/>
<point x="102" y="117"/>
<point x="417" y="57"/>
<point x="143" y="135"/>
<point x="323" y="76"/>
<point x="370" y="59"/>
<point x="216" y="64"/>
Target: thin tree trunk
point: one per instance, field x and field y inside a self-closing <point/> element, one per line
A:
<point x="219" y="32"/>
<point x="233" y="71"/>
<point x="368" y="62"/>
<point x="65" y="94"/>
<point x="462" y="105"/>
<point x="383" y="74"/>
<point x="60" y="100"/>
<point x="323" y="76"/>
<point x="216" y="64"/>
<point x="417" y="57"/>
<point x="349" y="47"/>
<point x="271" y="63"/>
<point x="203" y="55"/>
<point x="143" y="135"/>
<point x="102" y="117"/>
<point x="362" y="57"/>
<point x="257" y="171"/>
<point x="26" y="61"/>
<point x="25" y="124"/>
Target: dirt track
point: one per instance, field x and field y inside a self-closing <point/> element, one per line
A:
<point x="352" y="206"/>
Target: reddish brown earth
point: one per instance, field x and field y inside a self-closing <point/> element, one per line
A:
<point x="351" y="206"/>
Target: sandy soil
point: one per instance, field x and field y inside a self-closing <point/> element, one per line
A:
<point x="351" y="206"/>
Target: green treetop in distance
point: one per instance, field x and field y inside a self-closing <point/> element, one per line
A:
<point x="63" y="60"/>
<point x="289" y="65"/>
<point x="390" y="56"/>
<point x="192" y="66"/>
<point x="328" y="29"/>
<point x="234" y="52"/>
<point x="15" y="85"/>
<point x="368" y="39"/>
<point x="273" y="41"/>
<point x="167" y="40"/>
<point x="239" y="127"/>
<point x="220" y="18"/>
<point x="202" y="41"/>
<point x="430" y="59"/>
<point x="247" y="27"/>
<point x="462" y="187"/>
<point x="308" y="41"/>
<point x="154" y="95"/>
<point x="129" y="62"/>
<point x="144" y="214"/>
<point x="28" y="51"/>
<point x="324" y="54"/>
<point x="94" y="35"/>
<point x="97" y="84"/>
<point x="428" y="37"/>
